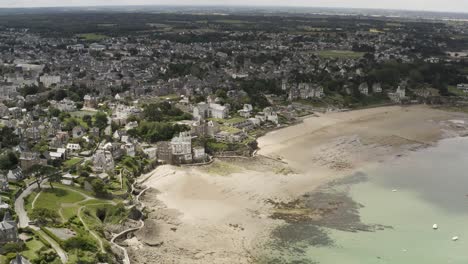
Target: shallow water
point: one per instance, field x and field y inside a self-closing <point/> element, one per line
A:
<point x="408" y="196"/>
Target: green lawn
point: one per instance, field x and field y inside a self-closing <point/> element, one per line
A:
<point x="82" y="113"/>
<point x="454" y="90"/>
<point x="33" y="246"/>
<point x="228" y="121"/>
<point x="72" y="162"/>
<point x="92" y="36"/>
<point x="54" y="197"/>
<point x="69" y="211"/>
<point x="230" y="129"/>
<point x="343" y="54"/>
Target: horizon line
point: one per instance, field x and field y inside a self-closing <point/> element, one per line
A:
<point x="235" y="5"/>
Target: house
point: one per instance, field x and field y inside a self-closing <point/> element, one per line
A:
<point x="73" y="147"/>
<point x="103" y="161"/>
<point x="398" y="95"/>
<point x="49" y="80"/>
<point x="151" y="152"/>
<point x="306" y="91"/>
<point x="130" y="149"/>
<point x="203" y="128"/>
<point x="231" y="137"/>
<point x="19" y="259"/>
<point x="96" y="47"/>
<point x="32" y="133"/>
<point x="164" y="151"/>
<point x="199" y="154"/>
<point x="271" y="115"/>
<point x="121" y="113"/>
<point x="94" y="131"/>
<point x="90" y="101"/>
<point x="3" y="205"/>
<point x="4" y="186"/>
<point x="131" y="125"/>
<point x="364" y="88"/>
<point x="15" y="112"/>
<point x="243" y="124"/>
<point x="115" y="149"/>
<point x="8" y="229"/>
<point x="68" y="179"/>
<point x="77" y="47"/>
<point x="181" y="146"/>
<point x="28" y="159"/>
<point x="60" y="154"/>
<point x="210" y="110"/>
<point x="246" y="111"/>
<point x="376" y="88"/>
<point x="59" y="140"/>
<point x="78" y="132"/>
<point x="3" y="110"/>
<point x="463" y="87"/>
<point x="65" y="105"/>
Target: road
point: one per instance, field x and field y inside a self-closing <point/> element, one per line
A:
<point x="23" y="219"/>
<point x="60" y="252"/>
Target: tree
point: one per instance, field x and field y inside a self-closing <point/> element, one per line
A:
<point x="54" y="176"/>
<point x="47" y="257"/>
<point x="99" y="188"/>
<point x="8" y="161"/>
<point x="43" y="216"/>
<point x="8" y="137"/>
<point x="54" y="112"/>
<point x="88" y="120"/>
<point x="29" y="90"/>
<point x="40" y="172"/>
<point x="80" y="242"/>
<point x="13" y="247"/>
<point x="100" y="120"/>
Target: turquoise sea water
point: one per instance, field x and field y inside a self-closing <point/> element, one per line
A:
<point x="407" y="195"/>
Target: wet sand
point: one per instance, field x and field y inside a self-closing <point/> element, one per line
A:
<point x="225" y="212"/>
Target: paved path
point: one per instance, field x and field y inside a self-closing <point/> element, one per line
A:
<point x="60" y="252"/>
<point x="126" y="259"/>
<point x="23" y="219"/>
<point x="98" y="238"/>
<point x="101" y="246"/>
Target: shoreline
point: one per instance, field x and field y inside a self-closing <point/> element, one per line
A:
<point x="219" y="214"/>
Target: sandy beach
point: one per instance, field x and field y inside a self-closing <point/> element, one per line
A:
<point x="221" y="213"/>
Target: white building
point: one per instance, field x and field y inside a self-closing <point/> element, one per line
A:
<point x="364" y="88"/>
<point x="246" y="111"/>
<point x="49" y="80"/>
<point x="66" y="105"/>
<point x="97" y="47"/>
<point x="376" y="88"/>
<point x="152" y="152"/>
<point x="181" y="147"/>
<point x="73" y="147"/>
<point x="199" y="154"/>
<point x="212" y="110"/>
<point x="463" y="87"/>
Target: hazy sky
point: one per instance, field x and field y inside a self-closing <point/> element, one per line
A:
<point x="434" y="5"/>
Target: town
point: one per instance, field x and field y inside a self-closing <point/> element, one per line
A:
<point x="91" y="100"/>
